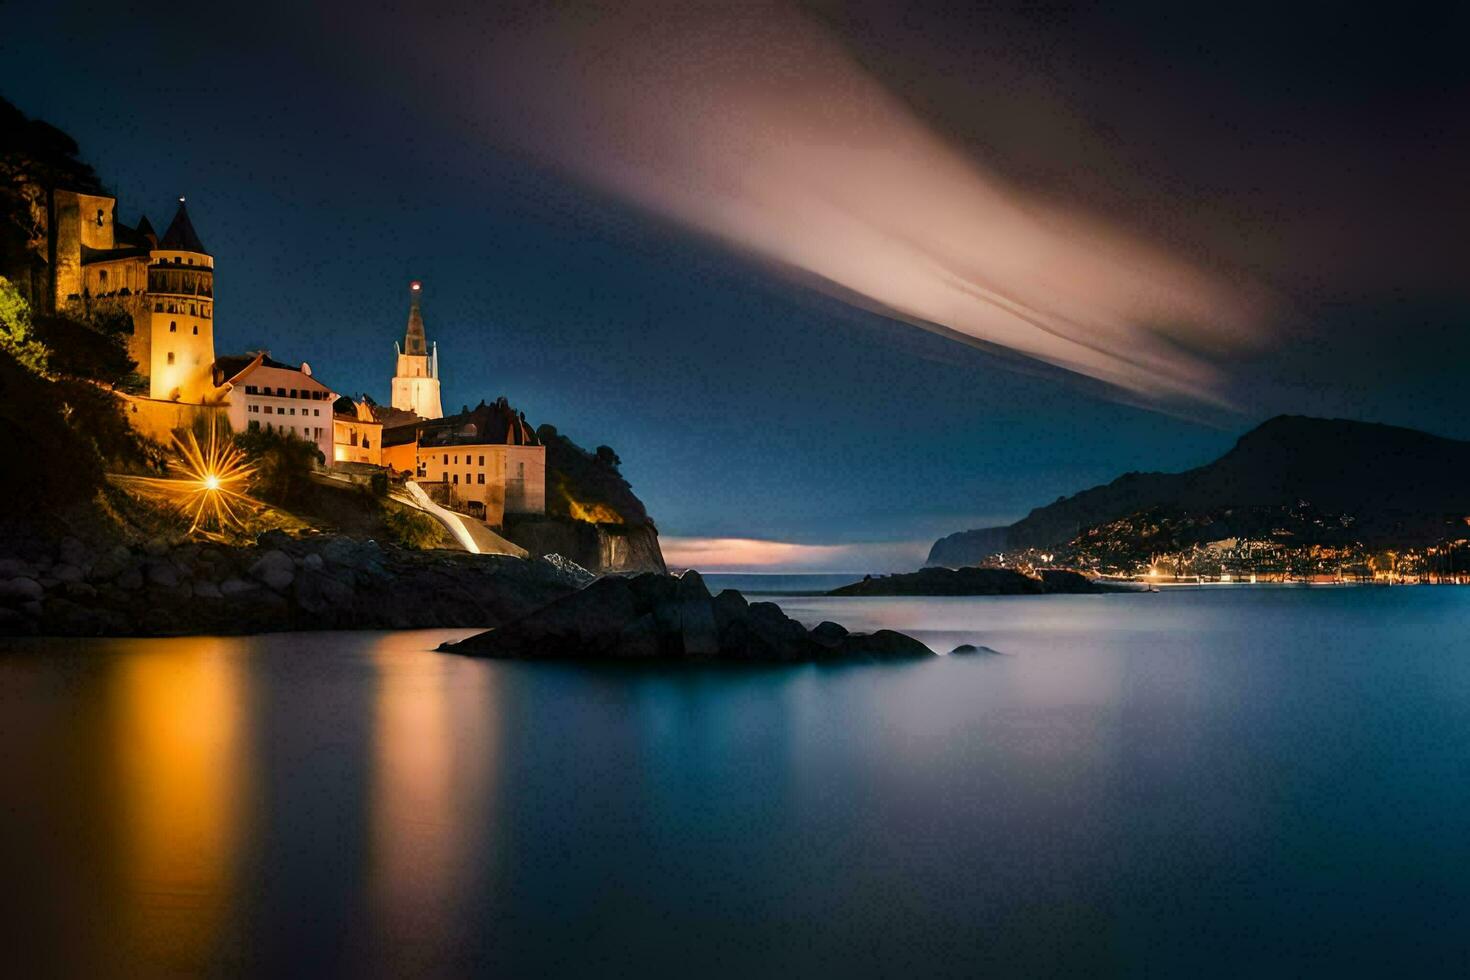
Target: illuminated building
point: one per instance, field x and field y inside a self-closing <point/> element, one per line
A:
<point x="165" y="286"/>
<point x="266" y="394"/>
<point x="416" y="378"/>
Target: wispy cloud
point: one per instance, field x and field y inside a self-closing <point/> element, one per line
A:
<point x="751" y="123"/>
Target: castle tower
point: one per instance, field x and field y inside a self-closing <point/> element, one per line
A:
<point x="181" y="295"/>
<point x="416" y="381"/>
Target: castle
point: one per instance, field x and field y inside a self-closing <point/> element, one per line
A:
<point x="486" y="461"/>
<point x="165" y="286"/>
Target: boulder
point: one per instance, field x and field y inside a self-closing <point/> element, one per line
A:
<point x="964" y="649"/>
<point x="235" y="586"/>
<point x="828" y="634"/>
<point x="205" y="589"/>
<point x="313" y="562"/>
<point x="66" y="572"/>
<point x="15" y="568"/>
<point x="156" y="546"/>
<point x="691" y="586"/>
<point x="162" y="573"/>
<point x="110" y="565"/>
<point x="73" y="552"/>
<point x="697" y="630"/>
<point x="882" y="645"/>
<point x="20" y="590"/>
<point x="317" y="592"/>
<point x="275" y="568"/>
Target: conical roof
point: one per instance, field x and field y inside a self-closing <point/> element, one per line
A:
<point x="413" y="340"/>
<point x="181" y="235"/>
<point x="145" y="228"/>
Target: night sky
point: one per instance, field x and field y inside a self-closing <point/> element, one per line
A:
<point x="783" y="258"/>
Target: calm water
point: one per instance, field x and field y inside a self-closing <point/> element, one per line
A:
<point x="1238" y="782"/>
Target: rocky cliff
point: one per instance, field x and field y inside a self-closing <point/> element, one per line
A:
<point x="605" y="548"/>
<point x="593" y="517"/>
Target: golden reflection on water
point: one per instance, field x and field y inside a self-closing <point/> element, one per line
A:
<point x="180" y="740"/>
<point x="435" y="740"/>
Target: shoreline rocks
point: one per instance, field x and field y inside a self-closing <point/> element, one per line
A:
<point x="317" y="582"/>
<point x="658" y="617"/>
<point x="975" y="581"/>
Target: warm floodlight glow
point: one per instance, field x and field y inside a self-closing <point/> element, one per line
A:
<point x="217" y="473"/>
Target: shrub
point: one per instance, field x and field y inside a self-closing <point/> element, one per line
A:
<point x="283" y="463"/>
<point x="410" y="528"/>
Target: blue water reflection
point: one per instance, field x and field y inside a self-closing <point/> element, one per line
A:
<point x="1216" y="782"/>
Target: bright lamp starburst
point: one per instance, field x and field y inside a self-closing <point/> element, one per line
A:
<point x="217" y="473"/>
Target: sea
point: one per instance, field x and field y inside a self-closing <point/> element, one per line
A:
<point x="1230" y="781"/>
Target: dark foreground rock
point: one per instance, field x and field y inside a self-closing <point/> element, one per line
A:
<point x="975" y="581"/>
<point x="162" y="588"/>
<point x="658" y="617"/>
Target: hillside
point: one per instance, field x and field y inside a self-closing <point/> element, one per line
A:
<point x="1379" y="484"/>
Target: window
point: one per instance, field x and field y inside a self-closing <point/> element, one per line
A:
<point x="280" y="392"/>
<point x="196" y="329"/>
<point x="268" y="410"/>
<point x="100" y="219"/>
<point x="193" y="311"/>
<point x="157" y="307"/>
<point x="293" y="411"/>
<point x="250" y="389"/>
<point x="101" y="273"/>
<point x="293" y="392"/>
<point x="173" y="326"/>
<point x="317" y="412"/>
<point x="170" y="357"/>
<point x="254" y="408"/>
<point x="456" y="479"/>
<point x="352" y="439"/>
<point x="479" y="477"/>
<point x="365" y="443"/>
<point x="482" y="460"/>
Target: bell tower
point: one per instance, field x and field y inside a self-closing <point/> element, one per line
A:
<point x="416" y="380"/>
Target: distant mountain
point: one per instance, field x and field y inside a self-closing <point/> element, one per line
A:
<point x="1389" y="486"/>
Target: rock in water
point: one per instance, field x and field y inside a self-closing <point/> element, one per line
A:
<point x="656" y="616"/>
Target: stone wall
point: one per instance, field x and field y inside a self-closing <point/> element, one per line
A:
<point x="156" y="420"/>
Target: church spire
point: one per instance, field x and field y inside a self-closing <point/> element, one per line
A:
<point x="413" y="340"/>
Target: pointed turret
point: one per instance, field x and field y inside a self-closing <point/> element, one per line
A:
<point x="181" y="235"/>
<point x="145" y="229"/>
<point x="413" y="340"/>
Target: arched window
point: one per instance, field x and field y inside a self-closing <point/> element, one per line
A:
<point x="173" y="326"/>
<point x="170" y="357"/>
<point x="196" y="329"/>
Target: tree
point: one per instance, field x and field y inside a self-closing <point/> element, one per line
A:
<point x="17" y="334"/>
<point x="283" y="463"/>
